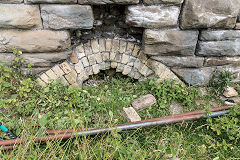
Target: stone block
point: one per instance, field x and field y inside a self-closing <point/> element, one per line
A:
<point x="44" y="59"/>
<point x="95" y="46"/>
<point x="67" y="16"/>
<point x="126" y="70"/>
<point x="112" y="56"/>
<point x="20" y="16"/>
<point x="99" y="58"/>
<point x="144" y="102"/>
<point x="142" y="57"/>
<point x="101" y="2"/>
<point x="135" y="50"/>
<point x="182" y="62"/>
<point x="83" y="76"/>
<point x="218" y="48"/>
<point x="51" y="75"/>
<point x="115" y="45"/>
<point x="45" y="78"/>
<point x="96" y="68"/>
<point x="85" y="62"/>
<point x="6" y="58"/>
<point x="170" y="42"/>
<point x="108" y="45"/>
<point x="237" y="26"/>
<point x="221" y="61"/>
<point x="219" y="35"/>
<point x="58" y="71"/>
<point x="209" y="14"/>
<point x="155" y="16"/>
<point x="120" y="67"/>
<point x="80" y="51"/>
<point x="66" y="67"/>
<point x="63" y="81"/>
<point x="52" y="1"/>
<point x="125" y="59"/>
<point x="130" y="47"/>
<point x="40" y="82"/>
<point x="114" y="64"/>
<point x="123" y="46"/>
<point x="34" y="41"/>
<point x="102" y="45"/>
<point x="11" y="1"/>
<point x="87" y="48"/>
<point x="195" y="76"/>
<point x="153" y="2"/>
<point x="118" y="58"/>
<point x="106" y="56"/>
<point x="91" y="59"/>
<point x="131" y="115"/>
<point x="79" y="67"/>
<point x="89" y="70"/>
<point x="71" y="77"/>
<point x="74" y="58"/>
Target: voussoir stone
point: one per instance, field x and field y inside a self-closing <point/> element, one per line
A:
<point x="209" y="14"/>
<point x="151" y="2"/>
<point x="176" y="61"/>
<point x="34" y="41"/>
<point x="195" y="76"/>
<point x="169" y="42"/>
<point x="20" y="16"/>
<point x="97" y="2"/>
<point x="52" y="1"/>
<point x="11" y="1"/>
<point x="67" y="16"/>
<point x="219" y="48"/>
<point x="152" y="16"/>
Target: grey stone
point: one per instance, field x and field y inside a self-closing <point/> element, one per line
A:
<point x="51" y="1"/>
<point x="169" y="42"/>
<point x="219" y="35"/>
<point x="220" y="61"/>
<point x="219" y="48"/>
<point x="11" y="1"/>
<point x="67" y="16"/>
<point x="195" y="76"/>
<point x="151" y="2"/>
<point x="238" y="19"/>
<point x="131" y="115"/>
<point x="108" y="2"/>
<point x="34" y="41"/>
<point x="183" y="62"/>
<point x="152" y="16"/>
<point x="6" y="58"/>
<point x="144" y="102"/>
<point x="44" y="59"/>
<point x="175" y="108"/>
<point x="20" y="16"/>
<point x="209" y="14"/>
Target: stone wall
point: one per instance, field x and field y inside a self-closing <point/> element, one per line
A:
<point x="190" y="38"/>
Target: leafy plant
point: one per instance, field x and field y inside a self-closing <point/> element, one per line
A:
<point x="219" y="81"/>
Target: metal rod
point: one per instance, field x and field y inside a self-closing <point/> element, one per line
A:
<point x="161" y="121"/>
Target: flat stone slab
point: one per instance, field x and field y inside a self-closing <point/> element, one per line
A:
<point x="34" y="41"/>
<point x="151" y="2"/>
<point x="11" y="1"/>
<point x="152" y="16"/>
<point x="51" y="1"/>
<point x="198" y="14"/>
<point x="144" y="102"/>
<point x="131" y="115"/>
<point x="20" y="16"/>
<point x="219" y="35"/>
<point x="169" y="42"/>
<point x="98" y="2"/>
<point x="67" y="16"/>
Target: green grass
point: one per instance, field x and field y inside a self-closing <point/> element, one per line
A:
<point x="29" y="110"/>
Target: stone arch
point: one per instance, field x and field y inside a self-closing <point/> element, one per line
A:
<point x="102" y="54"/>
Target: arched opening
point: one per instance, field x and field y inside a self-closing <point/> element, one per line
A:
<point x="102" y="54"/>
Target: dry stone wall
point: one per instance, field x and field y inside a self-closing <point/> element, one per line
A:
<point x="73" y="39"/>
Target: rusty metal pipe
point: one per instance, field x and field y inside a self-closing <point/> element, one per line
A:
<point x="160" y="121"/>
<point x="64" y="131"/>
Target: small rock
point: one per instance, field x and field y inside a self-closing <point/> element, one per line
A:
<point x="175" y="108"/>
<point x="229" y="102"/>
<point x="230" y="92"/>
<point x="144" y="102"/>
<point x="131" y="114"/>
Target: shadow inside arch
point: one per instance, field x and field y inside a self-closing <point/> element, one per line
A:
<point x="102" y="54"/>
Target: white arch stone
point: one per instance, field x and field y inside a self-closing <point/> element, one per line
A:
<point x="100" y="54"/>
